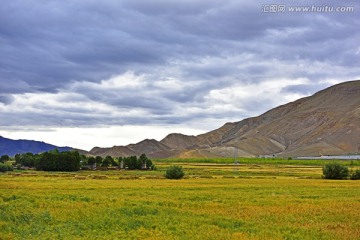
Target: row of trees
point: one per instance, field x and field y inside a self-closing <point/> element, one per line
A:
<point x="132" y="162"/>
<point x="50" y="161"/>
<point x="143" y="162"/>
<point x="73" y="161"/>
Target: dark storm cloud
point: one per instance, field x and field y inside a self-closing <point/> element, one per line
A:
<point x="184" y="59"/>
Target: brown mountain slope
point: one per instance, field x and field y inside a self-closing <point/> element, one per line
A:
<point x="118" y="151"/>
<point x="179" y="141"/>
<point x="327" y="123"/>
<point x="150" y="147"/>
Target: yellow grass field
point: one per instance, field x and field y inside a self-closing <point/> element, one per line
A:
<point x="215" y="201"/>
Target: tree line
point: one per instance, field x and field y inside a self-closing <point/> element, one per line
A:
<point x="73" y="161"/>
<point x="131" y="162"/>
<point x="50" y="161"/>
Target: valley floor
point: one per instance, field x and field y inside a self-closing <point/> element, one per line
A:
<point x="215" y="201"/>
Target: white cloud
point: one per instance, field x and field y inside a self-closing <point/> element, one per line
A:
<point x="56" y="103"/>
<point x="87" y="138"/>
<point x="171" y="84"/>
<point x="240" y="95"/>
<point x="127" y="80"/>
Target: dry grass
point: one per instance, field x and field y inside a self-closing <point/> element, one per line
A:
<point x="215" y="202"/>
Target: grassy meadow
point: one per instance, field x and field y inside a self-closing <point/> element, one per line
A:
<point x="215" y="201"/>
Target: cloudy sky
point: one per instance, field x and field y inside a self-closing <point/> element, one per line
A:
<point x="102" y="73"/>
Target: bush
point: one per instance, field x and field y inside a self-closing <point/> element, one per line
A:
<point x="10" y="168"/>
<point x="355" y="175"/>
<point x="5" y="167"/>
<point x="174" y="172"/>
<point x="335" y="171"/>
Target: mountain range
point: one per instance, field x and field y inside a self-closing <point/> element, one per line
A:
<point x="11" y="147"/>
<point x="326" y="123"/>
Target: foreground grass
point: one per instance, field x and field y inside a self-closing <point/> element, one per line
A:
<point x="250" y="205"/>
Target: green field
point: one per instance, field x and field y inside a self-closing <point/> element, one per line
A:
<point x="253" y="200"/>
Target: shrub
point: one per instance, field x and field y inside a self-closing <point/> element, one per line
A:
<point x="174" y="172"/>
<point x="335" y="171"/>
<point x="10" y="167"/>
<point x="5" y="167"/>
<point x="355" y="175"/>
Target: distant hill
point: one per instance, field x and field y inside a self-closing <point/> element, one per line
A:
<point x="326" y="123"/>
<point x="11" y="147"/>
<point x="150" y="147"/>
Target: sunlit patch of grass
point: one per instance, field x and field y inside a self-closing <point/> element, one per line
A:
<point x="249" y="201"/>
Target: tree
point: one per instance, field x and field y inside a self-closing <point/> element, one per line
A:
<point x="145" y="161"/>
<point x="91" y="161"/>
<point x="98" y="160"/>
<point x="83" y="160"/>
<point x="335" y="171"/>
<point x="113" y="162"/>
<point x="107" y="161"/>
<point x="25" y="159"/>
<point x="120" y="162"/>
<point x="45" y="162"/>
<point x="132" y="163"/>
<point x="4" y="158"/>
<point x="174" y="172"/>
<point x="68" y="161"/>
<point x="17" y="158"/>
<point x="58" y="161"/>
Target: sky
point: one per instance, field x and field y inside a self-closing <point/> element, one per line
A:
<point x="103" y="73"/>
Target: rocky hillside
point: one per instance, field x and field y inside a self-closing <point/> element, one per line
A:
<point x="327" y="123"/>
